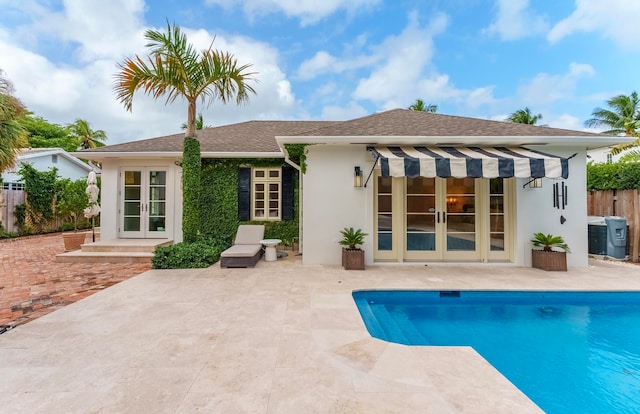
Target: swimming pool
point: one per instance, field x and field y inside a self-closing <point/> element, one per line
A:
<point x="570" y="352"/>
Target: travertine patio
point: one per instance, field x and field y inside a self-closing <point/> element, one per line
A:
<point x="280" y="338"/>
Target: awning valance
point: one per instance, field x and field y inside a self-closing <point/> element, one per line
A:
<point x="476" y="162"/>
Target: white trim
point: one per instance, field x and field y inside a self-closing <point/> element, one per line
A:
<point x="147" y="154"/>
<point x="56" y="151"/>
<point x="486" y="141"/>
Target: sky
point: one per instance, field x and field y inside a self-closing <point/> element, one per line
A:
<point x="329" y="59"/>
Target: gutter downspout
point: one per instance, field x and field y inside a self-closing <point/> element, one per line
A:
<point x="300" y="187"/>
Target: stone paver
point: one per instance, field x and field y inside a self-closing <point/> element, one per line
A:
<point x="32" y="284"/>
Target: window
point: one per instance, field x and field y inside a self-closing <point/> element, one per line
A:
<point x="54" y="158"/>
<point x="266" y="194"/>
<point x="13" y="186"/>
<point x="609" y="158"/>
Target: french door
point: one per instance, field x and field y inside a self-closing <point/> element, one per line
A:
<point x="143" y="203"/>
<point x="437" y="219"/>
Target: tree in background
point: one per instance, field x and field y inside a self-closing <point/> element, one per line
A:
<point x="85" y="136"/>
<point x="524" y="116"/>
<point x="622" y="117"/>
<point x="12" y="134"/>
<point x="175" y="69"/>
<point x="420" y="106"/>
<point x="44" y="134"/>
<point x="199" y="123"/>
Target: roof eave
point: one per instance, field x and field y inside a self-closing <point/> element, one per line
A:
<point x="176" y="155"/>
<point x="589" y="142"/>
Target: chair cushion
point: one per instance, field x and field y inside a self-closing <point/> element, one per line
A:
<point x="249" y="234"/>
<point x="242" y="250"/>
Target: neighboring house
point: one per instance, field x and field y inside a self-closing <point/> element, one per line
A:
<point x="43" y="159"/>
<point x="436" y="188"/>
<point x="602" y="155"/>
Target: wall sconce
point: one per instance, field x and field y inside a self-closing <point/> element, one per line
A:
<point x="357" y="177"/>
<point x="452" y="201"/>
<point x="535" y="183"/>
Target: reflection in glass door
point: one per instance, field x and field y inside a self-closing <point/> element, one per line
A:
<point x="422" y="218"/>
<point x="144" y="198"/>
<point x="460" y="219"/>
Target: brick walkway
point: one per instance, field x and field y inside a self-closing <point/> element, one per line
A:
<point x="32" y="284"/>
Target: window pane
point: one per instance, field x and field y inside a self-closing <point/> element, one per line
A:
<point x="157" y="193"/>
<point x="157" y="177"/>
<point x="259" y="204"/>
<point x="259" y="213"/>
<point x="259" y="187"/>
<point x="384" y="222"/>
<point x="273" y="187"/>
<point x="132" y="177"/>
<point x="421" y="185"/>
<point x="496" y="223"/>
<point x="421" y="204"/>
<point x="384" y="185"/>
<point x="460" y="241"/>
<point x="274" y="173"/>
<point x="131" y="208"/>
<point x="132" y="224"/>
<point x="157" y="208"/>
<point x="497" y="242"/>
<point x="273" y="204"/>
<point x="496" y="185"/>
<point x="259" y="196"/>
<point x="132" y="193"/>
<point x="385" y="241"/>
<point x="420" y="222"/>
<point x="461" y="222"/>
<point x="384" y="203"/>
<point x="273" y="213"/>
<point x="258" y="173"/>
<point x="421" y="241"/>
<point x="157" y="224"/>
<point x="497" y="204"/>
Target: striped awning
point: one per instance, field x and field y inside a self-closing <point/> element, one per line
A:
<point x="475" y="162"/>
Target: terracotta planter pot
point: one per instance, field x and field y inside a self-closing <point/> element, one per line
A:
<point x="73" y="241"/>
<point x="352" y="259"/>
<point x="550" y="261"/>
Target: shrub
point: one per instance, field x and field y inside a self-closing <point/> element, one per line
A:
<point x="199" y="254"/>
<point x="613" y="176"/>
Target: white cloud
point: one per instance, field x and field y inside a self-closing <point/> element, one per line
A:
<point x="544" y="88"/>
<point x="308" y="11"/>
<point x="616" y="19"/>
<point x="515" y="20"/>
<point x="61" y="91"/>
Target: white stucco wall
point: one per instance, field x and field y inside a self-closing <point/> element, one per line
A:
<point x="535" y="212"/>
<point x="109" y="220"/>
<point x="331" y="202"/>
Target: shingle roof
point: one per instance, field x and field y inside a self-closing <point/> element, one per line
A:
<point x="259" y="136"/>
<point x="404" y="122"/>
<point x="251" y="136"/>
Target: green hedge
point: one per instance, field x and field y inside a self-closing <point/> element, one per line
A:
<point x="613" y="176"/>
<point x="191" y="178"/>
<point x="188" y="255"/>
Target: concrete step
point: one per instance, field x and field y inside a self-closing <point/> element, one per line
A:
<point x="79" y="256"/>
<point x="126" y="245"/>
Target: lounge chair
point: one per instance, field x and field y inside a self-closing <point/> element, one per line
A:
<point x="246" y="249"/>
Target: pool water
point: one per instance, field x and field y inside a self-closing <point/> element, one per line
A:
<point x="569" y="352"/>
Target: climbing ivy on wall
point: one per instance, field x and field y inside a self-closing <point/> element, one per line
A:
<point x="41" y="191"/>
<point x="191" y="178"/>
<point x="219" y="201"/>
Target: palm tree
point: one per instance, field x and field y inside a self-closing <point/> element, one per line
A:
<point x="175" y="69"/>
<point x="199" y="123"/>
<point x="622" y="117"/>
<point x="86" y="137"/>
<point x="420" y="106"/>
<point x="524" y="116"/>
<point x="13" y="136"/>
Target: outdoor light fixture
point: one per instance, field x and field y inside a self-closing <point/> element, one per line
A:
<point x="357" y="177"/>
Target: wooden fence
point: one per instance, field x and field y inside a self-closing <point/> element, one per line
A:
<point x="9" y="199"/>
<point x="623" y="203"/>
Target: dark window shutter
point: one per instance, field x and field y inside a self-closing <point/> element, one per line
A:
<point x="288" y="181"/>
<point x="244" y="194"/>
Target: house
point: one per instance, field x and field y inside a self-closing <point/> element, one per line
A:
<point x="42" y="159"/>
<point x="425" y="187"/>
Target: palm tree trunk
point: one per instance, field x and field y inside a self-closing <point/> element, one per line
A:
<point x="191" y="118"/>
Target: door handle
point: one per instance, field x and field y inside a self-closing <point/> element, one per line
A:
<point x="438" y="217"/>
<point x="444" y="217"/>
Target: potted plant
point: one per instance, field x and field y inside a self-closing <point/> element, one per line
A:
<point x="352" y="255"/>
<point x="72" y="200"/>
<point x="548" y="258"/>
